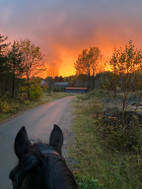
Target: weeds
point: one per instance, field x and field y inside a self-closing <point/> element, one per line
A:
<point x="113" y="169"/>
<point x="86" y="182"/>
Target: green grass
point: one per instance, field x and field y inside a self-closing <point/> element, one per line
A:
<point x="17" y="106"/>
<point x="98" y="167"/>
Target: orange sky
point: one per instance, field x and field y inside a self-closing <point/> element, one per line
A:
<point x="64" y="28"/>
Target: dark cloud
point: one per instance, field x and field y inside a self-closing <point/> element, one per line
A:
<point x="68" y="26"/>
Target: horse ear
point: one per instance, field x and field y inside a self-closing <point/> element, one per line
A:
<point x="56" y="137"/>
<point x="22" y="143"/>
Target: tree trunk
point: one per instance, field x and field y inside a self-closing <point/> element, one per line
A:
<point x="28" y="85"/>
<point x="13" y="86"/>
<point x="93" y="81"/>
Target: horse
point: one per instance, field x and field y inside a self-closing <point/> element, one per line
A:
<point x="41" y="165"/>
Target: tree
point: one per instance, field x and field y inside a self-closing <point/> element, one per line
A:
<point x="126" y="63"/>
<point x="52" y="72"/>
<point x="88" y="64"/>
<point x="110" y="82"/>
<point x="3" y="63"/>
<point x="58" y="79"/>
<point x="94" y="56"/>
<point x="15" y="64"/>
<point x="82" y="65"/>
<point x="32" y="59"/>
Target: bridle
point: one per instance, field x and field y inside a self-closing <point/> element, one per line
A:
<point x="18" y="174"/>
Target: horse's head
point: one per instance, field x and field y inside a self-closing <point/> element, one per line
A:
<point x="41" y="166"/>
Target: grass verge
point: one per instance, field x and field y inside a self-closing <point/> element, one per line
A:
<point x="98" y="167"/>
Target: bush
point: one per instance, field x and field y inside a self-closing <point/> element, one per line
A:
<point x="35" y="92"/>
<point x="126" y="137"/>
<point x="26" y="102"/>
<point x="7" y="107"/>
<point x="4" y="106"/>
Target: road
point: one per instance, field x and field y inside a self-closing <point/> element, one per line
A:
<point x="39" y="123"/>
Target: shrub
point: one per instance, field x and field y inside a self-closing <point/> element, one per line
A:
<point x="7" y="107"/>
<point x="4" y="106"/>
<point x="35" y="92"/>
<point x="126" y="137"/>
<point x="26" y="102"/>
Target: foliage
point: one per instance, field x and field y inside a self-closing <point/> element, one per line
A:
<point x="4" y="106"/>
<point x="126" y="61"/>
<point x="93" y="150"/>
<point x="53" y="70"/>
<point x="4" y="72"/>
<point x="7" y="107"/>
<point x="88" y="64"/>
<point x="35" y="91"/>
<point x="15" y="65"/>
<point x="87" y="182"/>
<point x="125" y="64"/>
<point x="31" y="57"/>
<point x="127" y="137"/>
<point x="110" y="82"/>
<point x="22" y="59"/>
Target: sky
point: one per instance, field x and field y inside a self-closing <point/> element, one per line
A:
<point x="63" y="28"/>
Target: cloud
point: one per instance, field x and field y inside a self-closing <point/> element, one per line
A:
<point x="63" y="28"/>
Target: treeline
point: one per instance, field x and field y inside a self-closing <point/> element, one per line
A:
<point x="125" y="76"/>
<point x="125" y="66"/>
<point x="19" y="61"/>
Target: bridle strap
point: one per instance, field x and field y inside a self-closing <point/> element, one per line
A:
<point x="47" y="152"/>
<point x="44" y="151"/>
<point x="26" y="165"/>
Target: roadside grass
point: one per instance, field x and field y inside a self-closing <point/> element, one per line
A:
<point x="97" y="167"/>
<point x="10" y="108"/>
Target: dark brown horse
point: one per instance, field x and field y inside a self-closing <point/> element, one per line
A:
<point x="41" y="166"/>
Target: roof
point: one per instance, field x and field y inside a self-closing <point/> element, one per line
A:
<point x="61" y="83"/>
<point x="76" y="88"/>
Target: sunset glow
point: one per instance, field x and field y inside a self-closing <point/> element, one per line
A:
<point x="62" y="29"/>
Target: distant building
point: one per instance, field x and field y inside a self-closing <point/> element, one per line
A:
<point x="81" y="90"/>
<point x="42" y="83"/>
<point x="61" y="85"/>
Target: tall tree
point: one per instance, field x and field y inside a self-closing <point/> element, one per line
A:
<point x="3" y="63"/>
<point x="88" y="64"/>
<point x="32" y="58"/>
<point x="52" y="72"/>
<point x="16" y="65"/>
<point x="94" y="58"/>
<point x="82" y="66"/>
<point x="126" y="63"/>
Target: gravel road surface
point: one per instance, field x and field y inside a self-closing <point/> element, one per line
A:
<point x="39" y="123"/>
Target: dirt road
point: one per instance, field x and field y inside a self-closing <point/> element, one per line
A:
<point x="39" y="123"/>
